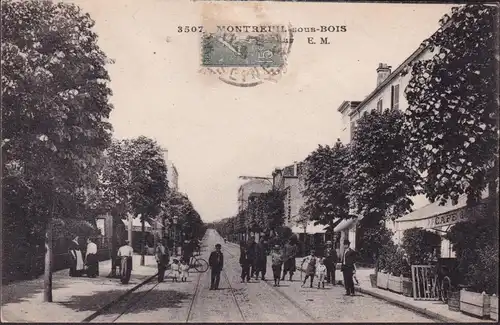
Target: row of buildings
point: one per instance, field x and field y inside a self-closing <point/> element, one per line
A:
<point x="388" y="93"/>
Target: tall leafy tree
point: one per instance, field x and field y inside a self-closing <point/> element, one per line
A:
<point x="452" y="118"/>
<point x="115" y="187"/>
<point x="149" y="182"/>
<point x="381" y="178"/>
<point x="54" y="111"/>
<point x="325" y="185"/>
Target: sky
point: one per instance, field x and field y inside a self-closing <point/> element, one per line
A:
<point x="215" y="132"/>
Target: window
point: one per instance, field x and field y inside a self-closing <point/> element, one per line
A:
<point x="395" y="97"/>
<point x="353" y="129"/>
<point x="380" y="105"/>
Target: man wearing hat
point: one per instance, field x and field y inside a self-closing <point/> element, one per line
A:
<point x="216" y="262"/>
<point x="330" y="262"/>
<point x="348" y="260"/>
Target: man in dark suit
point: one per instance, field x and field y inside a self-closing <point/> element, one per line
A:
<point x="330" y="262"/>
<point x="252" y="255"/>
<point x="348" y="260"/>
<point x="216" y="262"/>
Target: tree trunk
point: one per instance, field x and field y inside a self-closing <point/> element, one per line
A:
<point x="143" y="241"/>
<point x="47" y="279"/>
<point x="114" y="249"/>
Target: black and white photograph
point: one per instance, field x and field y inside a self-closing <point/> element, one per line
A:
<point x="169" y="161"/>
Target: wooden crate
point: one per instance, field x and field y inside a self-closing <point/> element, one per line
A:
<point x="407" y="287"/>
<point x="382" y="280"/>
<point x="494" y="307"/>
<point x="395" y="284"/>
<point x="477" y="304"/>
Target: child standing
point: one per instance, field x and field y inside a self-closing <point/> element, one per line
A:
<point x="310" y="261"/>
<point x="175" y="270"/>
<point x="276" y="262"/>
<point x="321" y="273"/>
<point x="184" y="271"/>
<point x="245" y="263"/>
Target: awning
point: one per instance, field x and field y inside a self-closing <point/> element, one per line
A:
<point x="345" y="224"/>
<point x="310" y="229"/>
<point x="434" y="215"/>
<point x="136" y="224"/>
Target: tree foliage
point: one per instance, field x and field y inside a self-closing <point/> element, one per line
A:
<point x="371" y="240"/>
<point x="326" y="185"/>
<point x="54" y="103"/>
<point x="419" y="244"/>
<point x="476" y="246"/>
<point x="452" y="118"/>
<point x="381" y="178"/>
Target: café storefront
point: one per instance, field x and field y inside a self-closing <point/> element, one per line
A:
<point x="440" y="218"/>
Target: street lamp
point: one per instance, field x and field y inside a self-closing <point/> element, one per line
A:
<point x="175" y="218"/>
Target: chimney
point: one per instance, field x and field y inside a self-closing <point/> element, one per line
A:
<point x="383" y="71"/>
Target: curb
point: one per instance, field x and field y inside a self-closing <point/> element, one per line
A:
<point x="405" y="305"/>
<point x="119" y="298"/>
<point x="420" y="310"/>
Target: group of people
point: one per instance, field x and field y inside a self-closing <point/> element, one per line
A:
<point x="253" y="260"/>
<point x="179" y="268"/>
<point x="80" y="265"/>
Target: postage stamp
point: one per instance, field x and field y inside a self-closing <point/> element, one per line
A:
<point x="246" y="59"/>
<point x="233" y="50"/>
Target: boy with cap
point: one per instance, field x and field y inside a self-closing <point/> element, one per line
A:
<point x="276" y="263"/>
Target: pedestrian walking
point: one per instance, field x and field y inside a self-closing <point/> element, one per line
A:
<point x="245" y="265"/>
<point x="184" y="270"/>
<point x="251" y="253"/>
<point x="348" y="260"/>
<point x="321" y="273"/>
<point x="310" y="261"/>
<point x="216" y="262"/>
<point x="276" y="263"/>
<point x="176" y="270"/>
<point x="75" y="254"/>
<point x="261" y="260"/>
<point x="91" y="259"/>
<point x="162" y="259"/>
<point x="290" y="253"/>
<point x="331" y="260"/>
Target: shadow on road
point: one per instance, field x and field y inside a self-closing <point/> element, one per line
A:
<point x="154" y="300"/>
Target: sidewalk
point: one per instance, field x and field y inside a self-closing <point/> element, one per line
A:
<point x="74" y="299"/>
<point x="433" y="309"/>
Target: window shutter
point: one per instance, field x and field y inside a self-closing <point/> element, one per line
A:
<point x="396" y="97"/>
<point x="392" y="97"/>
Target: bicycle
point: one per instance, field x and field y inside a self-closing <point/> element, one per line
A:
<point x="198" y="263"/>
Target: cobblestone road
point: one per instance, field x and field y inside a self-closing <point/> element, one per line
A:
<point x="257" y="301"/>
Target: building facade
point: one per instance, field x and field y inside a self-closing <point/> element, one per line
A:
<point x="250" y="187"/>
<point x="389" y="94"/>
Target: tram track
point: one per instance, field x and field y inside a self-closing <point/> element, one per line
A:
<point x="275" y="289"/>
<point x="196" y="296"/>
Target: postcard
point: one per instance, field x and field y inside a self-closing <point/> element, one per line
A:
<point x="172" y="161"/>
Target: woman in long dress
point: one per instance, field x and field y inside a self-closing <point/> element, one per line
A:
<point x="91" y="259"/>
<point x="75" y="254"/>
